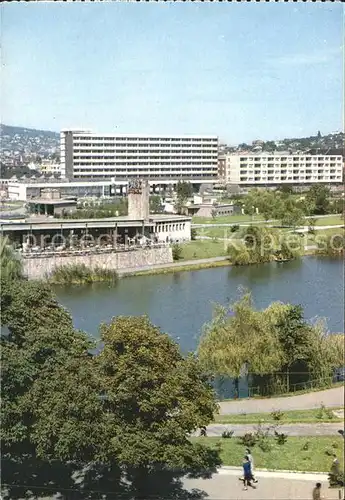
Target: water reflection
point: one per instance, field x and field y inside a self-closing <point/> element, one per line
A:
<point x="180" y="303"/>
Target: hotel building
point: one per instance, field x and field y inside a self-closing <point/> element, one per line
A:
<point x="89" y="156"/>
<point x="273" y="169"/>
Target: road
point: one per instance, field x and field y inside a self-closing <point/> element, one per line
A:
<point x="271" y="486"/>
<point x="330" y="429"/>
<point x="330" y="398"/>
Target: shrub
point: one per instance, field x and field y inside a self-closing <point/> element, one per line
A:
<point x="277" y="415"/>
<point x="262" y="438"/>
<point x="306" y="446"/>
<point x="176" y="251"/>
<point x="81" y="274"/>
<point x="248" y="440"/>
<point x="336" y="476"/>
<point x="324" y="413"/>
<point x="227" y="434"/>
<point x="193" y="233"/>
<point x="280" y="437"/>
<point x="238" y="254"/>
<point x="234" y="228"/>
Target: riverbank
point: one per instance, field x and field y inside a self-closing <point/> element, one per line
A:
<point x="178" y="266"/>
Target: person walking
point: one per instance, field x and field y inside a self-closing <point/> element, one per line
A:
<point x="247" y="473"/>
<point x="317" y="492"/>
<point x="251" y="460"/>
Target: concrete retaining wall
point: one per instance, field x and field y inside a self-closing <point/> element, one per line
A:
<point x="41" y="267"/>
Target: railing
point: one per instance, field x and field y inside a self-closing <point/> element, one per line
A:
<point x="280" y="389"/>
<point x="39" y="253"/>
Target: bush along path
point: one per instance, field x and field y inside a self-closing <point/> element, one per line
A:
<point x="321" y="429"/>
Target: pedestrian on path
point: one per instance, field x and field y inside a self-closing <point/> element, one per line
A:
<point x="251" y="460"/>
<point x="247" y="473"/>
<point x="317" y="492"/>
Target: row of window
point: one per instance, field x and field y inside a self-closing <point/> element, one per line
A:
<point x="291" y="158"/>
<point x="138" y="158"/>
<point x="295" y="178"/>
<point x="166" y="147"/>
<point x="174" y="165"/>
<point x="294" y="172"/>
<point x="285" y="165"/>
<point x="146" y="151"/>
<point x="167" y="228"/>
<point x="150" y="170"/>
<point x="134" y="175"/>
<point x="90" y="138"/>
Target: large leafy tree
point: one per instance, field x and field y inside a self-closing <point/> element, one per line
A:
<point x="318" y="198"/>
<point x="112" y="420"/>
<point x="293" y="338"/>
<point x="184" y="190"/>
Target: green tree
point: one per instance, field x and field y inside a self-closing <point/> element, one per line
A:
<point x="293" y="339"/>
<point x="184" y="190"/>
<point x="293" y="218"/>
<point x="156" y="206"/>
<point x="239" y="340"/>
<point x="38" y="337"/>
<point x="286" y="189"/>
<point x="290" y="214"/>
<point x="264" y="200"/>
<point x="11" y="262"/>
<point x="113" y="419"/>
<point x="318" y="199"/>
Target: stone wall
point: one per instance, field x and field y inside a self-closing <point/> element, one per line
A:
<point x="41" y="267"/>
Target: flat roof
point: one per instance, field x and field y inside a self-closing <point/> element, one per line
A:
<point x="36" y="223"/>
<point x="49" y="201"/>
<point x="141" y="136"/>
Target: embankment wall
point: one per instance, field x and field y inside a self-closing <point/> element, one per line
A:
<point x="43" y="266"/>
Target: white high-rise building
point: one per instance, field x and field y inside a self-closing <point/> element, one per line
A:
<point x="85" y="155"/>
<point x="273" y="169"/>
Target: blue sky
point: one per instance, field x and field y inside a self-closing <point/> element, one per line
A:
<point x="241" y="71"/>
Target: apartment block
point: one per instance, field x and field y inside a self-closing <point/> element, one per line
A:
<point x="85" y="155"/>
<point x="274" y="169"/>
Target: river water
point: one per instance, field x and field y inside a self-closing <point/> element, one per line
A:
<point x="180" y="303"/>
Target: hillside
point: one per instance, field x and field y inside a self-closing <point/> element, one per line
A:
<point x="24" y="144"/>
<point x="318" y="144"/>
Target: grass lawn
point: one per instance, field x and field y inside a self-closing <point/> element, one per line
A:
<point x="331" y="220"/>
<point x="288" y="417"/>
<point x="215" y="232"/>
<point x="312" y="238"/>
<point x="203" y="249"/>
<point x="226" y="219"/>
<point x="289" y="456"/>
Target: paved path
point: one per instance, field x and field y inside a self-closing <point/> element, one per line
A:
<point x="271" y="486"/>
<point x="181" y="263"/>
<point x="330" y="429"/>
<point x="329" y="397"/>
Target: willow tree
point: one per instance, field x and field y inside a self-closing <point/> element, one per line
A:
<point x="258" y="245"/>
<point x="239" y="341"/>
<point x="11" y="264"/>
<point x="325" y="352"/>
